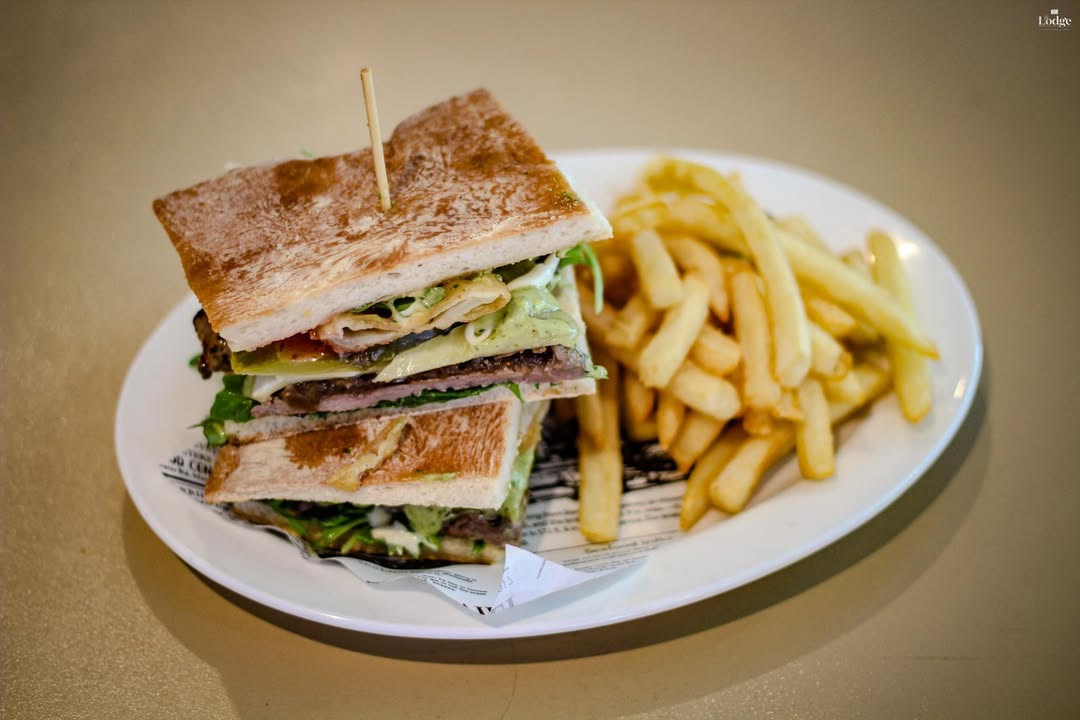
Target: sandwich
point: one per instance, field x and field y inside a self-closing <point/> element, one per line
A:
<point x="315" y="301"/>
<point x="385" y="373"/>
<point x="401" y="490"/>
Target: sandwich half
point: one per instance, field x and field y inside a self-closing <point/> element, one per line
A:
<point x="316" y="302"/>
<point x="404" y="490"/>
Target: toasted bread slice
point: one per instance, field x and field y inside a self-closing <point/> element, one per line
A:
<point x="276" y="250"/>
<point x="451" y="458"/>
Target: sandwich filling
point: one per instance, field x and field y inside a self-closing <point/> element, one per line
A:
<point x="407" y="532"/>
<point x="515" y="324"/>
<point x="404" y="490"/>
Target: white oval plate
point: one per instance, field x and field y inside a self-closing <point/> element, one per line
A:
<point x="877" y="462"/>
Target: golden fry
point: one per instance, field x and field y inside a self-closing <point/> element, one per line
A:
<point x="644" y="432"/>
<point x="694" y="256"/>
<point x="716" y="351"/>
<point x="600" y="491"/>
<point x="787" y="316"/>
<point x="911" y="372"/>
<point x="814" y="442"/>
<point x="590" y="415"/>
<point x="787" y="408"/>
<point x="633" y="320"/>
<point x="668" y="348"/>
<point x="732" y="488"/>
<point x="648" y="213"/>
<point x="832" y="318"/>
<point x="704" y="392"/>
<point x="874" y="381"/>
<point x="857" y="294"/>
<point x="706" y="220"/>
<point x="760" y="389"/>
<point x="757" y="422"/>
<point x="797" y="225"/>
<point x="846" y="388"/>
<point x="863" y="333"/>
<point x="696" y="498"/>
<point x="638" y="400"/>
<point x="696" y="434"/>
<point x="656" y="270"/>
<point x="669" y="416"/>
<point x="828" y="357"/>
<point x="600" y="464"/>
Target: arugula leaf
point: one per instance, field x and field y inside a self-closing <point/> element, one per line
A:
<point x="584" y="255"/>
<point x="435" y="396"/>
<point x="229" y="404"/>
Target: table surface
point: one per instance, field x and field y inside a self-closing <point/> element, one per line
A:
<point x="959" y="601"/>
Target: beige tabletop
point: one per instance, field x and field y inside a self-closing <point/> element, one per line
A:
<point x="960" y="600"/>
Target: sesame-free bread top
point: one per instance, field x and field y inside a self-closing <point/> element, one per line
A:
<point x="274" y="250"/>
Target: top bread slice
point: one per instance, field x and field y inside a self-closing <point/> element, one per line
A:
<point x="276" y="250"/>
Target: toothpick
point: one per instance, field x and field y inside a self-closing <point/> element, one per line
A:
<point x="376" y="138"/>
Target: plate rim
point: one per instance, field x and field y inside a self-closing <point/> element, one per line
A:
<point x="481" y="631"/>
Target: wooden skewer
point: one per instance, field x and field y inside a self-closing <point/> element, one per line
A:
<point x="376" y="138"/>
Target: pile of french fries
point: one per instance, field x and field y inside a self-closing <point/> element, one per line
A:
<point x="732" y="338"/>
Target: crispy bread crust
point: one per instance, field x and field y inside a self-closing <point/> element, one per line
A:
<point x="477" y="445"/>
<point x="274" y="250"/>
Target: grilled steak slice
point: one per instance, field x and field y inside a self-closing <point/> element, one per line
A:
<point x="556" y="363"/>
<point x="215" y="355"/>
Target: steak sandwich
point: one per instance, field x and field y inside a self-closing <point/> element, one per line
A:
<point x="407" y="490"/>
<point x="384" y="373"/>
<point x="315" y="301"/>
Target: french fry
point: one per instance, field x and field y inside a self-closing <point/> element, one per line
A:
<point x="863" y="334"/>
<point x="760" y="389"/>
<point x="694" y="256"/>
<point x="669" y="416"/>
<point x="600" y="491"/>
<point x="638" y="400"/>
<point x="805" y="353"/>
<point x="704" y="392"/>
<point x="705" y="219"/>
<point x="696" y="434"/>
<point x="874" y="381"/>
<point x="644" y="432"/>
<point x="845" y="388"/>
<point x="563" y="409"/>
<point x="787" y="316"/>
<point x="668" y="348"/>
<point x="855" y="293"/>
<point x="832" y="318"/>
<point x="757" y="422"/>
<point x="911" y="373"/>
<point x="600" y="464"/>
<point x="609" y="391"/>
<point x="814" y="442"/>
<point x="716" y="351"/>
<point x="695" y="500"/>
<point x="797" y="225"/>
<point x="632" y="321"/>
<point x="590" y="415"/>
<point x="656" y="270"/>
<point x="828" y="357"/>
<point x="642" y="215"/>
<point x="731" y="489"/>
<point x="787" y="408"/>
<point x="617" y="268"/>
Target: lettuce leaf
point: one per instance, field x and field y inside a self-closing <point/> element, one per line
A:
<point x="229" y="404"/>
<point x="584" y="255"/>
